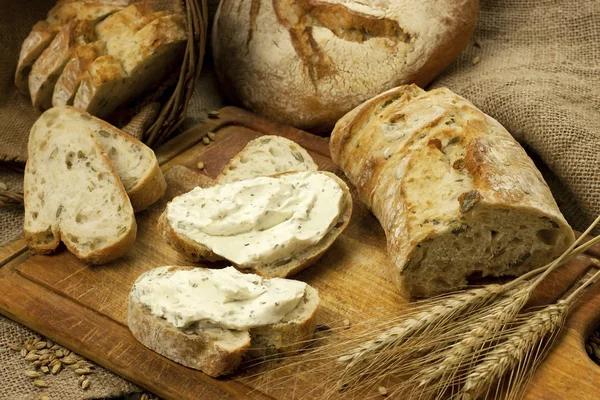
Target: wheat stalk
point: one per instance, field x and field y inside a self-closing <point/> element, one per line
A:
<point x="522" y="350"/>
<point x="461" y="354"/>
<point x="516" y="348"/>
<point x="424" y="321"/>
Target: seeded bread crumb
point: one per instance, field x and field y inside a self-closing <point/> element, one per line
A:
<point x="73" y="194"/>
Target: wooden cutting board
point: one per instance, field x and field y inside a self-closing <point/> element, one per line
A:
<point x="85" y="308"/>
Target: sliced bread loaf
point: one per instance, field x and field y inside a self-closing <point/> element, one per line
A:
<point x="149" y="56"/>
<point x="50" y="64"/>
<point x="272" y="226"/>
<point x="73" y="194"/>
<point x="267" y="155"/>
<point x="68" y="82"/>
<point x="134" y="162"/>
<point x="207" y="341"/>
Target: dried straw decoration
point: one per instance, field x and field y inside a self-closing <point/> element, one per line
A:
<point x="472" y="344"/>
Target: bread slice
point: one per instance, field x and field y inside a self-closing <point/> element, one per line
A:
<point x="134" y="162"/>
<point x="216" y="350"/>
<point x="68" y="82"/>
<point x="267" y="155"/>
<point x="73" y="194"/>
<point x="286" y="266"/>
<point x="50" y="64"/>
<point x="149" y="56"/>
<point x="37" y="41"/>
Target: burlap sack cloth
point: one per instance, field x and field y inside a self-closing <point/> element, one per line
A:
<point x="532" y="64"/>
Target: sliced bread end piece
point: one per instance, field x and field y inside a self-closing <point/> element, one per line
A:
<point x="37" y="41"/>
<point x="197" y="252"/>
<point x="219" y="351"/>
<point x="267" y="155"/>
<point x="73" y="194"/>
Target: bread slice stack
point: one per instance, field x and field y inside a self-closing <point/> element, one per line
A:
<point x="83" y="181"/>
<point x="98" y="55"/>
<point x="214" y="338"/>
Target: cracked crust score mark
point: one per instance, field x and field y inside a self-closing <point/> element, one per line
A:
<point x="300" y="17"/>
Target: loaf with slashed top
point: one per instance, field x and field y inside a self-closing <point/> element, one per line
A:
<point x="456" y="195"/>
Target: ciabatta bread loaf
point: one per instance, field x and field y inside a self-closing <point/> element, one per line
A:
<point x="271" y="226"/>
<point x="457" y="196"/>
<point x="44" y="32"/>
<point x="212" y="319"/>
<point x="98" y="55"/>
<point x="73" y="194"/>
<point x="134" y="162"/>
<point x="308" y="62"/>
<point x="267" y="155"/>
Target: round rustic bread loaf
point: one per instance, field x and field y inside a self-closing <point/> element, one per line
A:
<point x="308" y="62"/>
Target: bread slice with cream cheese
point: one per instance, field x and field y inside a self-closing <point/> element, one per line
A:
<point x="134" y="162"/>
<point x="272" y="226"/>
<point x="267" y="155"/>
<point x="204" y="343"/>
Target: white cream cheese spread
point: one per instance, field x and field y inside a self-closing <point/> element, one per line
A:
<point x="223" y="297"/>
<point x="259" y="220"/>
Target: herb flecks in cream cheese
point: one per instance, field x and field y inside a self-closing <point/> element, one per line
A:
<point x="259" y="220"/>
<point x="225" y="297"/>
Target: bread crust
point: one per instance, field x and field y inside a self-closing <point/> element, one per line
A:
<point x="37" y="41"/>
<point x="437" y="173"/>
<point x="295" y="61"/>
<point x="201" y="351"/>
<point x="196" y="252"/>
<point x="193" y="351"/>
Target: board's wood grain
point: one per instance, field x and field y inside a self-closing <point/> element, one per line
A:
<point x="85" y="308"/>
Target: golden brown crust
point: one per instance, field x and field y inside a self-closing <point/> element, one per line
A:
<point x="454" y="192"/>
<point x="148" y="190"/>
<point x="192" y="350"/>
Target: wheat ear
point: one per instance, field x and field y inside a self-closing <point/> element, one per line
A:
<point x="462" y="354"/>
<point x="424" y="321"/>
<point x="508" y="354"/>
<point x="514" y="351"/>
